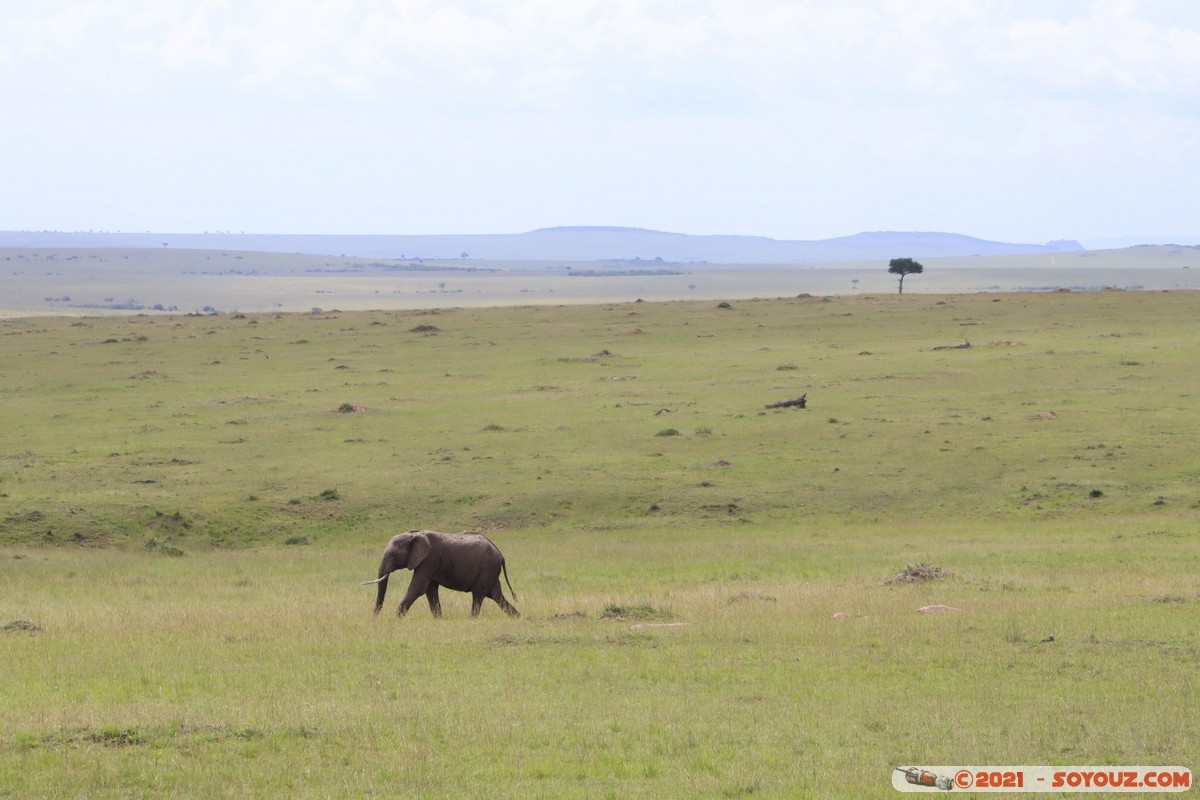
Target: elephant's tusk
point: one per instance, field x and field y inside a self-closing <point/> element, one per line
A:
<point x="377" y="580"/>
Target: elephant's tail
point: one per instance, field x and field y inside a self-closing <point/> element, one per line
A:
<point x="504" y="569"/>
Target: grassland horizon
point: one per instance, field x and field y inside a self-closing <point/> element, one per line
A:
<point x="82" y="282"/>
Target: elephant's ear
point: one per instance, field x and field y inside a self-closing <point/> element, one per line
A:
<point x="418" y="550"/>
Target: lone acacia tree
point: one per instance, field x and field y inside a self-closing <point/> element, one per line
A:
<point x="904" y="266"/>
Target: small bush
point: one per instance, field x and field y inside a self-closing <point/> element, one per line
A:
<point x="155" y="546"/>
<point x="297" y="540"/>
<point x="668" y="432"/>
<point x="117" y="737"/>
<point x="918" y="573"/>
<point x="751" y="597"/>
<point x="641" y="611"/>
<point x="329" y="494"/>
<point x="175" y="519"/>
<point x="21" y="625"/>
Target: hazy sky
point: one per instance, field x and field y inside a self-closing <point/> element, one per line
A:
<point x="1017" y="120"/>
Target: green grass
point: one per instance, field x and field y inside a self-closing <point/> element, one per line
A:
<point x="186" y="512"/>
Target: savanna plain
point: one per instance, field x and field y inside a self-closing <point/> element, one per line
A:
<point x="188" y="505"/>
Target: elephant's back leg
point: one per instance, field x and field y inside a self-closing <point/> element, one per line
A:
<point x="497" y="594"/>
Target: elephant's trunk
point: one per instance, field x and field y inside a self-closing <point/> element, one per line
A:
<point x="382" y="580"/>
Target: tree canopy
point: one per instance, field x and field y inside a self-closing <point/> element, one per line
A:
<point x="903" y="267"/>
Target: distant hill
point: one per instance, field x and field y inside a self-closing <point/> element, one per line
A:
<point x="562" y="244"/>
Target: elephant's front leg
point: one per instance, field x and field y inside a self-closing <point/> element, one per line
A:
<point x="435" y="603"/>
<point x="416" y="588"/>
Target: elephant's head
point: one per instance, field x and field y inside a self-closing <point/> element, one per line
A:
<point x="404" y="551"/>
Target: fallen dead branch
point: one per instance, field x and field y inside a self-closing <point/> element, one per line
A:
<point x="795" y="402"/>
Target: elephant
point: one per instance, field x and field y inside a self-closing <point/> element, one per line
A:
<point x="464" y="562"/>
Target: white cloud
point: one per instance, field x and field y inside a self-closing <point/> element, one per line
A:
<point x="1110" y="49"/>
<point x="547" y="54"/>
<point x="677" y="110"/>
